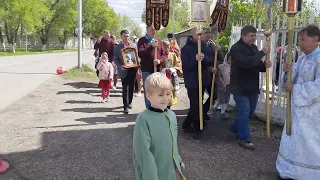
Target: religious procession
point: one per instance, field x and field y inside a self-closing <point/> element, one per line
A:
<point x="157" y="66"/>
<point x="156" y="69"/>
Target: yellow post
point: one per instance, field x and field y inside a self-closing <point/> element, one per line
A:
<point x="215" y="67"/>
<point x="200" y="81"/>
<point x="289" y="61"/>
<point x="268" y="33"/>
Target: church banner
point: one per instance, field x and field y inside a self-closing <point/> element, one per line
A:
<point x="220" y="15"/>
<point x="157" y="13"/>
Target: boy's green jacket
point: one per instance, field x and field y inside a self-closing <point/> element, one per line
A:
<point x="155" y="149"/>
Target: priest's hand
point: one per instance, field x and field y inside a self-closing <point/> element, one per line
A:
<point x="268" y="64"/>
<point x="287" y="67"/>
<point x="288" y="86"/>
<point x="200" y="57"/>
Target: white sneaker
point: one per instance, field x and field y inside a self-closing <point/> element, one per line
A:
<point x="114" y="87"/>
<point x="138" y="94"/>
<point x="103" y="100"/>
<point x="108" y="99"/>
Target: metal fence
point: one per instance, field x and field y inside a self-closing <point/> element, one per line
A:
<point x="277" y="56"/>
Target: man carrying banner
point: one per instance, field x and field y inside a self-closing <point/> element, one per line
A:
<point x="244" y="81"/>
<point x="189" y="57"/>
<point x="299" y="155"/>
<point x="205" y="36"/>
<point x="146" y="52"/>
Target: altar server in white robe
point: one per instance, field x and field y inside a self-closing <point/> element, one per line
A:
<point x="299" y="154"/>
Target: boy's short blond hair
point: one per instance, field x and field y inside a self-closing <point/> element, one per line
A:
<point x="156" y="82"/>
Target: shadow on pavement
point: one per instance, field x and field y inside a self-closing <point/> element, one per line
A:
<point x="76" y="154"/>
<point x="109" y="119"/>
<point x="80" y="85"/>
<point x="82" y="102"/>
<point x="94" y="109"/>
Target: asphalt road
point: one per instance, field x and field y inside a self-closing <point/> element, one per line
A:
<point x="20" y="75"/>
<point x="62" y="131"/>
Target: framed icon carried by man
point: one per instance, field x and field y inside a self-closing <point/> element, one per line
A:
<point x="130" y="57"/>
<point x="199" y="11"/>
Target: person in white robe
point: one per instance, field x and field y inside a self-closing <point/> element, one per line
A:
<point x="299" y="154"/>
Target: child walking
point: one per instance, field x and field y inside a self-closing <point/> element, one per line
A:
<point x="155" y="147"/>
<point x="224" y="71"/>
<point x="106" y="73"/>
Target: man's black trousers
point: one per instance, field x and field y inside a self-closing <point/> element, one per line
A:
<point x="128" y="87"/>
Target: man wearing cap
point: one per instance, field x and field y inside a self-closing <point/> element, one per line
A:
<point x="190" y="58"/>
<point x="206" y="37"/>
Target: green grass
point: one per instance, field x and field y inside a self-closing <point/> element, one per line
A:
<point x="34" y="51"/>
<point x="84" y="72"/>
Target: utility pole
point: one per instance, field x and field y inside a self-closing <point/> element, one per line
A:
<point x="79" y="33"/>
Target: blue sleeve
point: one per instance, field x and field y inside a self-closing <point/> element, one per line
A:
<point x="117" y="57"/>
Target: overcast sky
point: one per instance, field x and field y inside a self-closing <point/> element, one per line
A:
<point x="132" y="8"/>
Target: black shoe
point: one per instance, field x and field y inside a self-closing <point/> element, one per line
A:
<point x="206" y="117"/>
<point x="187" y="127"/>
<point x="130" y="106"/>
<point x="126" y="110"/>
<point x="197" y="135"/>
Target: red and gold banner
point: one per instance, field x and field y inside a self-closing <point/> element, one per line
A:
<point x="220" y="15"/>
<point x="292" y="6"/>
<point x="157" y="13"/>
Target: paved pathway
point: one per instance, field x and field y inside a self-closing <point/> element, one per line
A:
<point x="61" y="131"/>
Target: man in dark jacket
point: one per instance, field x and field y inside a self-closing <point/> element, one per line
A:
<point x="245" y="69"/>
<point x="146" y="51"/>
<point x="190" y="58"/>
<point x="127" y="75"/>
<point x="205" y="36"/>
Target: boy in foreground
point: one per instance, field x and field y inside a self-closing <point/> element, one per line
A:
<point x="155" y="147"/>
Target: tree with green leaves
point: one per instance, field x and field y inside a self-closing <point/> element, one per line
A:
<point x="131" y="26"/>
<point x="17" y="13"/>
<point x="61" y="14"/>
<point x="98" y="16"/>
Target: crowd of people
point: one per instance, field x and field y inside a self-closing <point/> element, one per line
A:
<point x="156" y="154"/>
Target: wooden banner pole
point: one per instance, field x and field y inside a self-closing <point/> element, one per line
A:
<point x="200" y="81"/>
<point x="215" y="67"/>
<point x="155" y="53"/>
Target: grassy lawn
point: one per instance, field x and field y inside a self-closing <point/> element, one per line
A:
<point x="34" y="51"/>
<point x="84" y="72"/>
